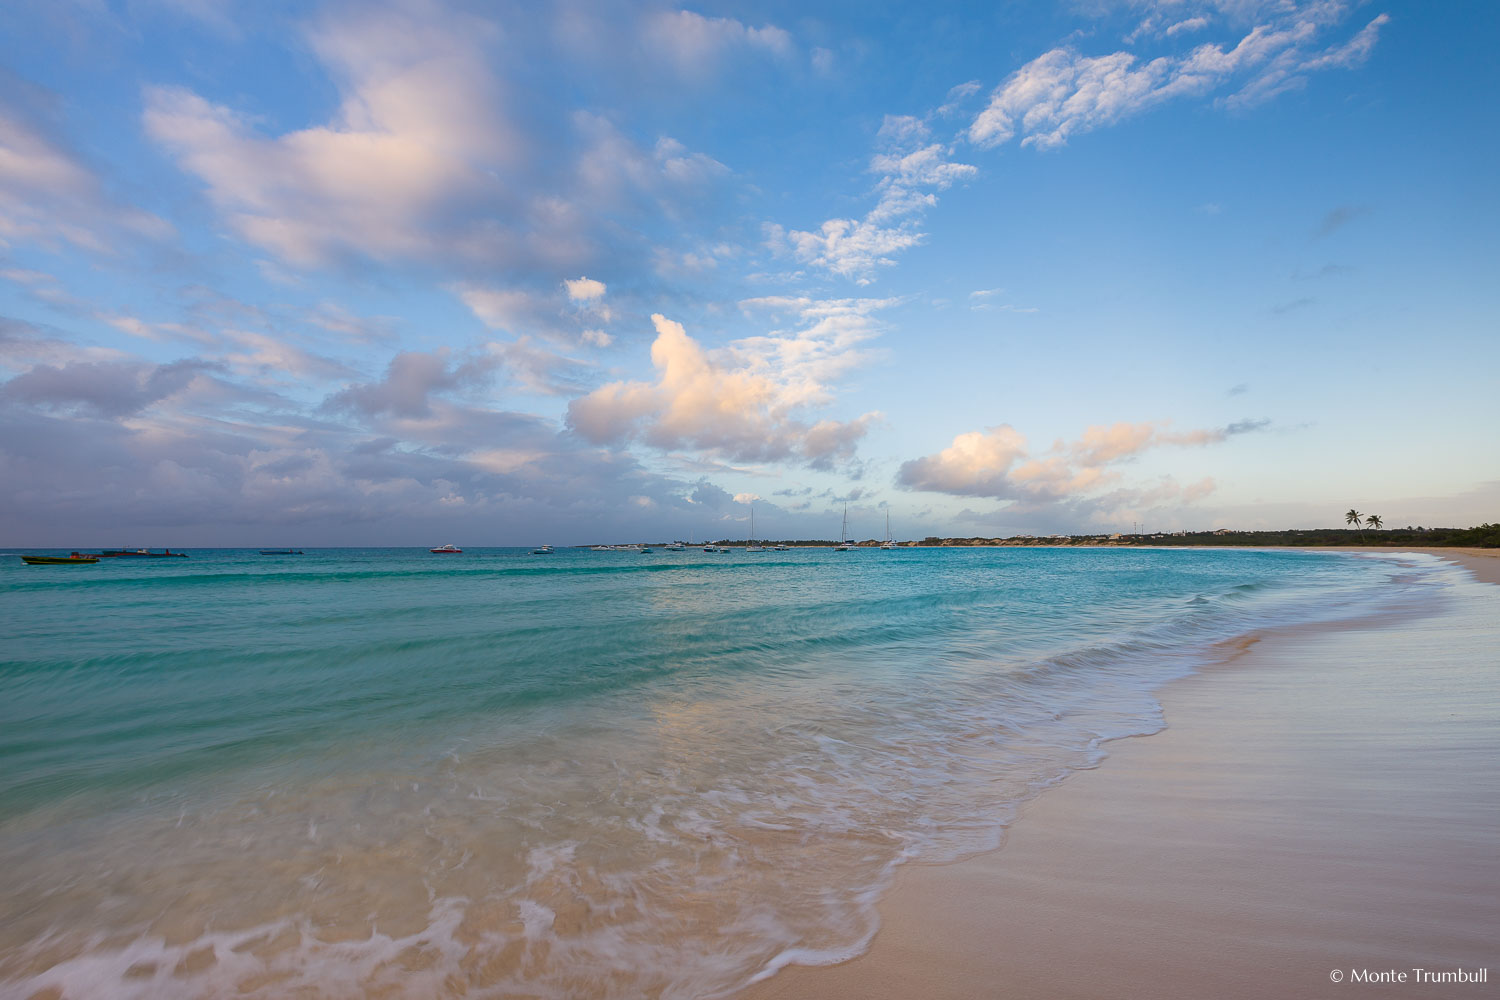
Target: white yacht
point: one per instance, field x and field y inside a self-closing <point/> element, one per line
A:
<point x="843" y="545"/>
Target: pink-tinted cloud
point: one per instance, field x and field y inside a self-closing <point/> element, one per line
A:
<point x="747" y="412"/>
<point x="998" y="462"/>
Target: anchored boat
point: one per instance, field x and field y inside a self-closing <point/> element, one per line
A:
<point x="140" y="554"/>
<point x="73" y="560"/>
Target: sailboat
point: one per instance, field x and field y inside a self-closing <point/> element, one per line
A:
<point x="888" y="543"/>
<point x="843" y="545"/>
<point x="752" y="547"/>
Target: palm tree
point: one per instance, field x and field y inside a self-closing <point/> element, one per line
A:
<point x="1352" y="517"/>
<point x="1374" y="521"/>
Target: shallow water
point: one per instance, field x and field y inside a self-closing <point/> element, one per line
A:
<point x="381" y="772"/>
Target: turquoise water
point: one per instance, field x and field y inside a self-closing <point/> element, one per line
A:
<point x="592" y="773"/>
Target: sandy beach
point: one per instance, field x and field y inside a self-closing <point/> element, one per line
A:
<point x="1323" y="806"/>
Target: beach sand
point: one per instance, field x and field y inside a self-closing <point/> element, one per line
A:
<point x="1327" y="800"/>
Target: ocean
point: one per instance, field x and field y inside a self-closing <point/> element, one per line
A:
<point x="381" y="772"/>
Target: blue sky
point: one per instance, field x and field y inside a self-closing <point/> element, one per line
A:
<point x="420" y="270"/>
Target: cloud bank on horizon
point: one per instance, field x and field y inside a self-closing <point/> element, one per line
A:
<point x="373" y="274"/>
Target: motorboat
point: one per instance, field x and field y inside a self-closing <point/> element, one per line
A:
<point x="76" y="559"/>
<point x="542" y="550"/>
<point x="446" y="550"/>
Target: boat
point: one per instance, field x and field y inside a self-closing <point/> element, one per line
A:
<point x="446" y="550"/>
<point x="542" y="550"/>
<point x="674" y="547"/>
<point x="75" y="559"/>
<point x="711" y="547"/>
<point x="140" y="554"/>
<point x="603" y="548"/>
<point x="752" y="547"/>
<point x="781" y="547"/>
<point x="843" y="545"/>
<point x="888" y="543"/>
<point x="281" y="552"/>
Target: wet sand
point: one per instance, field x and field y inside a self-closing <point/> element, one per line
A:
<point x="1327" y="800"/>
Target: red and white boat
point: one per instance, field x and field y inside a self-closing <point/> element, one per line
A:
<point x="446" y="550"/>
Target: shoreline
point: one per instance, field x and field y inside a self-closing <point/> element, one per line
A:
<point x="1484" y="564"/>
<point x="1255" y="845"/>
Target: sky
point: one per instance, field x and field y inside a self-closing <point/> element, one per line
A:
<point x="405" y="272"/>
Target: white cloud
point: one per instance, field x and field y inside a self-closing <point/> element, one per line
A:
<point x="851" y="248"/>
<point x="47" y="194"/>
<point x="1188" y="25"/>
<point x="612" y="167"/>
<point x="957" y="96"/>
<point x="524" y="313"/>
<point x="910" y="169"/>
<point x="695" y="44"/>
<point x="584" y="289"/>
<point x="1063" y="93"/>
<point x="502" y="309"/>
<point x="535" y="369"/>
